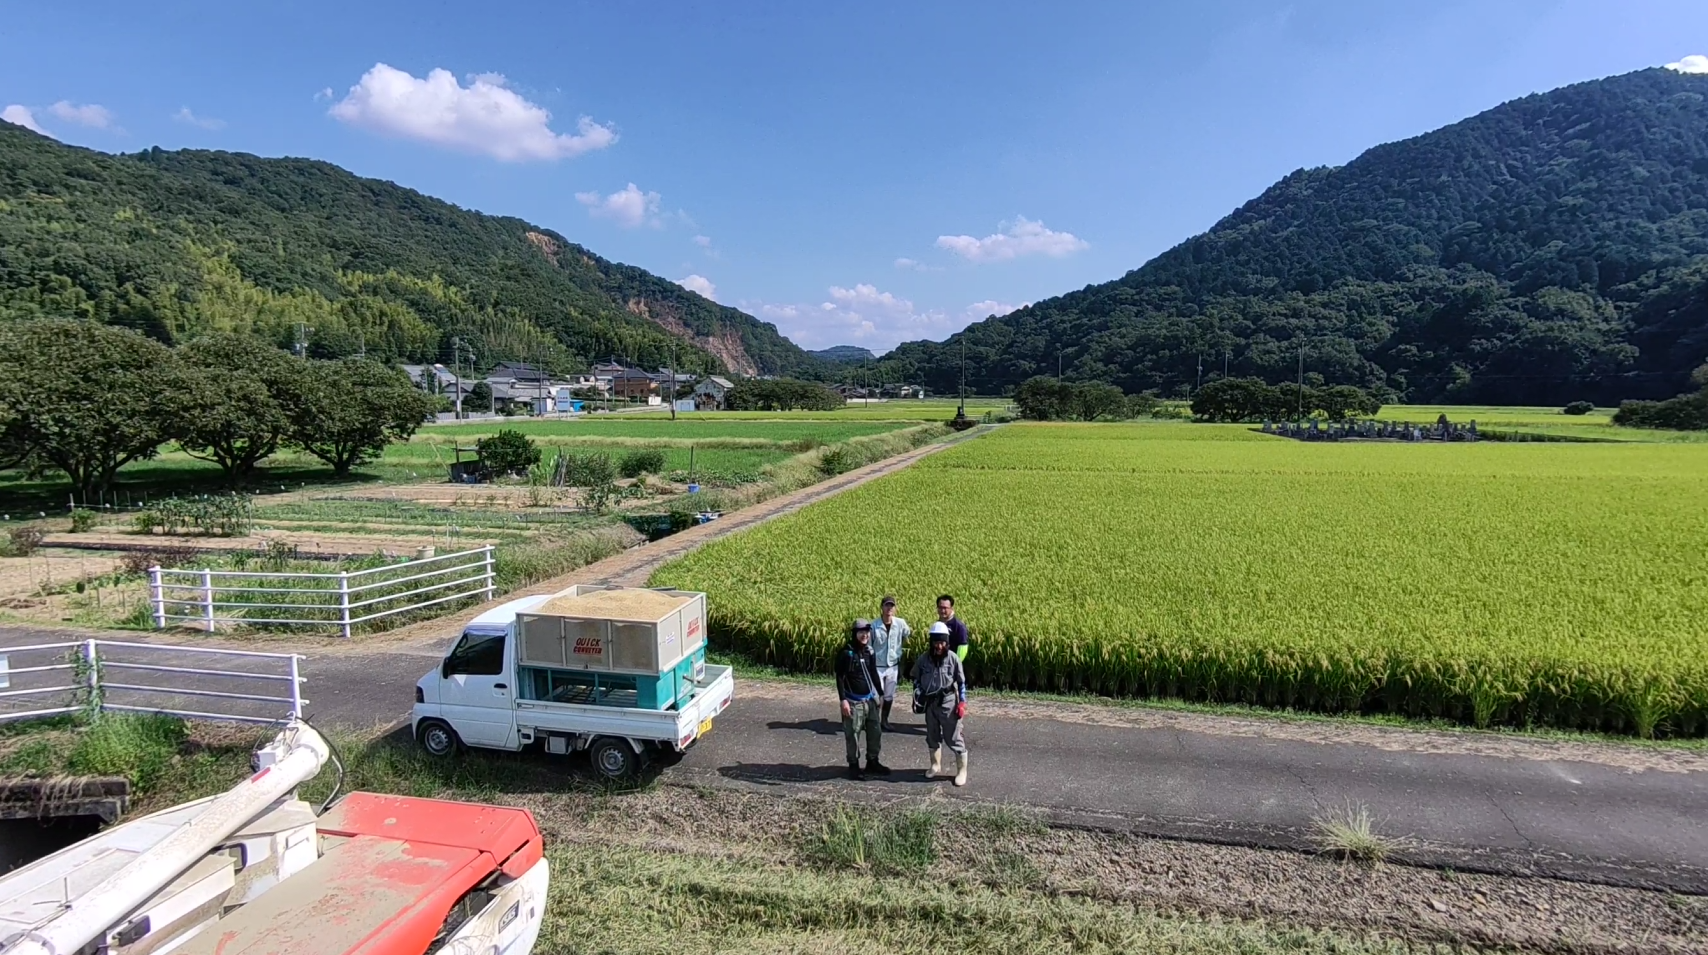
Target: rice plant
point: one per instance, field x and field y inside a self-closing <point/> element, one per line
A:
<point x="1492" y="584"/>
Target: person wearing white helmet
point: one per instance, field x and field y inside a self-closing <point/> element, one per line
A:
<point x="940" y="692"/>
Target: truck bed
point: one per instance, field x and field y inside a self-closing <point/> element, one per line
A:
<point x="676" y="727"/>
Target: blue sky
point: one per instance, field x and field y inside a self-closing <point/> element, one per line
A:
<point x="859" y="173"/>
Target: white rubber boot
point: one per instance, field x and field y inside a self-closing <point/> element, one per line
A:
<point x="936" y="764"/>
<point x="960" y="769"/>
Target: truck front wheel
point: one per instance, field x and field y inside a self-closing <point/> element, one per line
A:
<point x="438" y="739"/>
<point x="614" y="758"/>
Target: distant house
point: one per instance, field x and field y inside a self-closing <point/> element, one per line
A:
<point x="709" y="394"/>
<point x="519" y="370"/>
<point x="607" y="368"/>
<point x="632" y="383"/>
<point x="433" y="379"/>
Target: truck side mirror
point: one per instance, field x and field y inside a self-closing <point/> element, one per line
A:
<point x="445" y="669"/>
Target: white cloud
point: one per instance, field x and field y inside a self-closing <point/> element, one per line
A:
<point x="1023" y="237"/>
<point x="89" y="114"/>
<point x="184" y="115"/>
<point x="701" y="285"/>
<point x="325" y="93"/>
<point x="484" y="117"/>
<point x="703" y="241"/>
<point x="628" y="207"/>
<point x="915" y="265"/>
<point x="979" y="311"/>
<point x="21" y="116"/>
<point x="861" y="315"/>
<point x="1695" y="63"/>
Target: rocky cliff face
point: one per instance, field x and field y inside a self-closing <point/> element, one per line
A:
<point x="725" y="343"/>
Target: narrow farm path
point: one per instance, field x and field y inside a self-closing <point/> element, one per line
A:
<point x="1624" y="814"/>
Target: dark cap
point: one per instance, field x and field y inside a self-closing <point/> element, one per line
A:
<point x="888" y="601"/>
<point x="862" y="624"/>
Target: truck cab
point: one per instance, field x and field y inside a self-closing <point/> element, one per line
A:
<point x="618" y="672"/>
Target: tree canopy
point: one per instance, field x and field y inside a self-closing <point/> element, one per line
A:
<point x="1552" y="249"/>
<point x="179" y="244"/>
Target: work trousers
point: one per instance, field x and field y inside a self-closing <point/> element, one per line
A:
<point x="863" y="715"/>
<point x="942" y="726"/>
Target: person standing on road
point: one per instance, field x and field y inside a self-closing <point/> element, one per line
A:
<point x="889" y="636"/>
<point x="958" y="640"/>
<point x="940" y="689"/>
<point x="857" y="688"/>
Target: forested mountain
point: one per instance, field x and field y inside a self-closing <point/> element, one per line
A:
<point x="1550" y="249"/>
<point x="843" y="353"/>
<point x="175" y="243"/>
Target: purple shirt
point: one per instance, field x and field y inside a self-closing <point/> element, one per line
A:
<point x="957" y="633"/>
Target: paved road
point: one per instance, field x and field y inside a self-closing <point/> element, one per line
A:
<point x="1620" y="814"/>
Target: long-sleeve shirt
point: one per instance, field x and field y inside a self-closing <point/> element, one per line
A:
<point x="887" y="641"/>
<point x="958" y="640"/>
<point x="856" y="673"/>
<point x="932" y="677"/>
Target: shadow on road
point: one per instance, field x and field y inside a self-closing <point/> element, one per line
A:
<point x="821" y="727"/>
<point x="777" y="774"/>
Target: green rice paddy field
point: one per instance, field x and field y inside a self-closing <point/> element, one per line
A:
<point x="1522" y="584"/>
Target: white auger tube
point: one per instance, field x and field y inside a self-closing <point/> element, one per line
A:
<point x="298" y="754"/>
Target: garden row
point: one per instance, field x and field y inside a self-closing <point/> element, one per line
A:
<point x="1545" y="584"/>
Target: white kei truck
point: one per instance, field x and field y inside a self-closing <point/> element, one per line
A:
<point x="619" y="673"/>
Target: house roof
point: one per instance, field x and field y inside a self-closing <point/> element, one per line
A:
<point x="518" y="369"/>
<point x="721" y="381"/>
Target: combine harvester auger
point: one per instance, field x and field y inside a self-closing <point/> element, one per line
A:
<point x="254" y="871"/>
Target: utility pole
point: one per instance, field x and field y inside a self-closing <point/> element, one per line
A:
<point x="961" y="412"/>
<point x="302" y="339"/>
<point x="457" y="372"/>
<point x="1200" y="372"/>
<point x="361" y="345"/>
<point x="1058" y="361"/>
<point x="1301" y="382"/>
<point x="1226" y="354"/>
<point x="672" y="381"/>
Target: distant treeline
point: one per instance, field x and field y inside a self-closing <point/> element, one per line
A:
<point x="1251" y="399"/>
<point x="1687" y="412"/>
<point x="781" y="394"/>
<point x="86" y="399"/>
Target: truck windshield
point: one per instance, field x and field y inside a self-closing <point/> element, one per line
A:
<point x="477" y="654"/>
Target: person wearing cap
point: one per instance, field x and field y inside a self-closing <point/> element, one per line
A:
<point x="857" y="689"/>
<point x="889" y="636"/>
<point x="958" y="640"/>
<point x="940" y="690"/>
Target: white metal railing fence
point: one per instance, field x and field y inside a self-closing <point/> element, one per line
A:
<point x="209" y="598"/>
<point x="118" y="676"/>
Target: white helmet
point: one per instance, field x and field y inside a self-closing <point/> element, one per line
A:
<point x="939" y="628"/>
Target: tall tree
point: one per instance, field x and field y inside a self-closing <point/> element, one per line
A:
<point x="87" y="398"/>
<point x="346" y="412"/>
<point x="239" y="388"/>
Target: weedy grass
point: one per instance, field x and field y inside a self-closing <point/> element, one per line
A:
<point x="1350" y="833"/>
<point x="656" y="901"/>
<point x="1525" y="585"/>
<point x="860" y="838"/>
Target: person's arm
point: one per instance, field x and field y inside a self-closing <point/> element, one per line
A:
<point x="960" y="689"/>
<point x="842" y="657"/>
